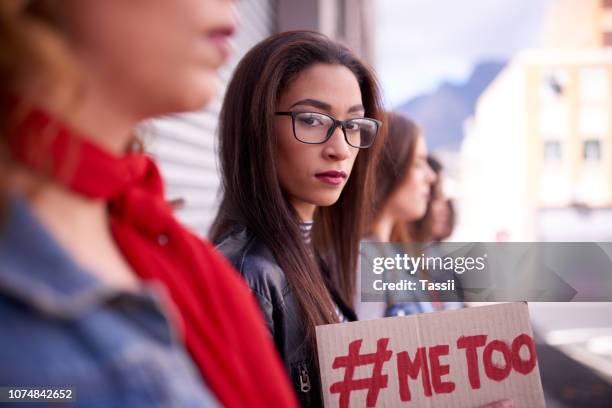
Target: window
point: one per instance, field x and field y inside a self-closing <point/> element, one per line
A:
<point x="592" y="150"/>
<point x="554" y="118"/>
<point x="594" y="84"/>
<point x="552" y="150"/>
<point x="593" y="119"/>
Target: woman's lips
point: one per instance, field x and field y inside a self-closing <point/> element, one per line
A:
<point x="331" y="177"/>
<point x="220" y="39"/>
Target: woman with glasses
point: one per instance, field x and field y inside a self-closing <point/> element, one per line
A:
<point x="298" y="132"/>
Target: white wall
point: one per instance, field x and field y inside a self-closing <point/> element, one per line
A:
<point x="493" y="184"/>
<point x="184" y="145"/>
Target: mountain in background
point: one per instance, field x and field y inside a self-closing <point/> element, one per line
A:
<point x="441" y="113"/>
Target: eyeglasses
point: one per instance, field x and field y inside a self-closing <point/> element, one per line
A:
<point x="317" y="128"/>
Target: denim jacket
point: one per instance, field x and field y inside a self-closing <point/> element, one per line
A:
<point x="62" y="327"/>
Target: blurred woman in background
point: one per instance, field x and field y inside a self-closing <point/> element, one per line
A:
<point x="403" y="181"/>
<point x="403" y="188"/>
<point x="439" y="220"/>
<point x="101" y="289"/>
<point x="443" y="218"/>
<point x="298" y="135"/>
<point x="407" y="214"/>
<point x="434" y="227"/>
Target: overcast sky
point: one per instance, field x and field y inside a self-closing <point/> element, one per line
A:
<point x="421" y="43"/>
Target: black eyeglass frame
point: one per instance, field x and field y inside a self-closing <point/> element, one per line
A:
<point x="332" y="129"/>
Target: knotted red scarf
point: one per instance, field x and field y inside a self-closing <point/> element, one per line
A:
<point x="224" y="331"/>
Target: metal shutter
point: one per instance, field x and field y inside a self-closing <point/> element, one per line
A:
<point x="184" y="145"/>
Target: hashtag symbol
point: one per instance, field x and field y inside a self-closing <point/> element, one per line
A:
<point x="373" y="384"/>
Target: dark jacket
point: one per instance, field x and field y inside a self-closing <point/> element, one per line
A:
<point x="280" y="309"/>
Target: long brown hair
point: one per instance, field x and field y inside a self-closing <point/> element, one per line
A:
<point x="252" y="194"/>
<point x="394" y="164"/>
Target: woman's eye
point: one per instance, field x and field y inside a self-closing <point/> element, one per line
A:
<point x="352" y="126"/>
<point x="419" y="164"/>
<point x="311" y="121"/>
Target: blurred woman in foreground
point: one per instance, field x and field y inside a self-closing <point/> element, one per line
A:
<point x="101" y="289"/>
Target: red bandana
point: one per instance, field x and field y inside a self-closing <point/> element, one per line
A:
<point x="224" y="331"/>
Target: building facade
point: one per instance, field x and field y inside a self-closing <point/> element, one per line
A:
<point x="536" y="162"/>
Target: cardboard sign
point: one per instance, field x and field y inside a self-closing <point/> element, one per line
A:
<point x="459" y="358"/>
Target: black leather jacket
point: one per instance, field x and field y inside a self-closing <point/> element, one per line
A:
<point x="280" y="309"/>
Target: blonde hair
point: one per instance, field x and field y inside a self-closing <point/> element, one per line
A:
<point x="34" y="60"/>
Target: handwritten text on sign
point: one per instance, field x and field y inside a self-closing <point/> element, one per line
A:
<point x="459" y="358"/>
<point x="427" y="365"/>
